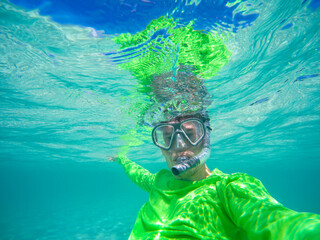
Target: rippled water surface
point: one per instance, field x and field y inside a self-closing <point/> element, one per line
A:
<point x="66" y="105"/>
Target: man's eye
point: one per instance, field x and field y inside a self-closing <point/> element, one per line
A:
<point x="190" y="130"/>
<point x="167" y="136"/>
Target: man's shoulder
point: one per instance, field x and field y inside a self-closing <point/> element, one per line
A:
<point x="233" y="176"/>
<point x="217" y="172"/>
<point x="241" y="182"/>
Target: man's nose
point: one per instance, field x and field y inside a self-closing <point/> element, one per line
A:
<point x="179" y="142"/>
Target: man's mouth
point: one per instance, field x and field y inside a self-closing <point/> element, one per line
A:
<point x="187" y="154"/>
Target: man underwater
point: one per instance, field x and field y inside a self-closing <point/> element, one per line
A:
<point x="188" y="201"/>
<point x="191" y="202"/>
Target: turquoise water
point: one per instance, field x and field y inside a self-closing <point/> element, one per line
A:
<point x="64" y="107"/>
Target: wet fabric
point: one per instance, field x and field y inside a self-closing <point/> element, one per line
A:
<point x="222" y="206"/>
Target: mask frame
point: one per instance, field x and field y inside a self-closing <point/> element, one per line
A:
<point x="177" y="128"/>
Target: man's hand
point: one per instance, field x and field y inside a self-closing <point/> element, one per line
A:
<point x="112" y="159"/>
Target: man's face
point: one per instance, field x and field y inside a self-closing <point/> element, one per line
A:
<point x="181" y="147"/>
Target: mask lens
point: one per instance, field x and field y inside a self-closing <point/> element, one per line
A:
<point x="194" y="130"/>
<point x="163" y="135"/>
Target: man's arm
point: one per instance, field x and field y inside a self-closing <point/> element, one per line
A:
<point x="251" y="208"/>
<point x="137" y="174"/>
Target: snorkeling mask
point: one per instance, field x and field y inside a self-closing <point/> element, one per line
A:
<point x="194" y="131"/>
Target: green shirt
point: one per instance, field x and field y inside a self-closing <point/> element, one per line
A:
<point x="221" y="206"/>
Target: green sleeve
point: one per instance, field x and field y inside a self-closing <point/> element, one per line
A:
<point x="137" y="174"/>
<point x="250" y="207"/>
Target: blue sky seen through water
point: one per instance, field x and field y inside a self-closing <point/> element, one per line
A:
<point x="133" y="16"/>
